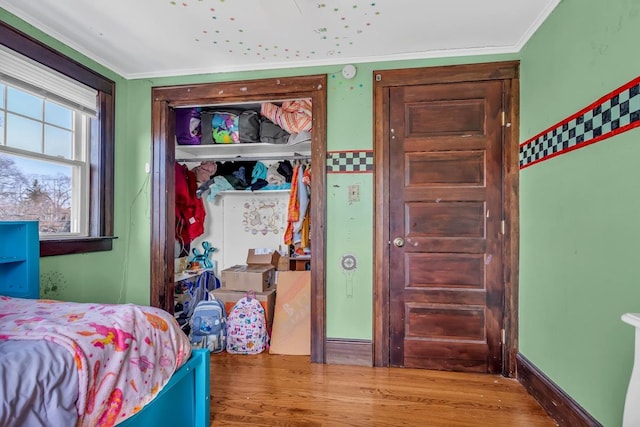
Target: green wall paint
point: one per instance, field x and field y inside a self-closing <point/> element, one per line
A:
<point x="580" y="235"/>
<point x="349" y="316"/>
<point x="351" y="100"/>
<point x="138" y="185"/>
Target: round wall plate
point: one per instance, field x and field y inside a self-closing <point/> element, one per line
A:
<point x="348" y="71"/>
<point x="348" y="262"/>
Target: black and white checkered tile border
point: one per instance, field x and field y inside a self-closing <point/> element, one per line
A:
<point x="611" y="115"/>
<point x="350" y="161"/>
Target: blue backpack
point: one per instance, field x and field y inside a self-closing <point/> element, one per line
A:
<point x="196" y="290"/>
<point x="209" y="326"/>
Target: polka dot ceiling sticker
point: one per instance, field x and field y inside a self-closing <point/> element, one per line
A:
<point x="342" y="25"/>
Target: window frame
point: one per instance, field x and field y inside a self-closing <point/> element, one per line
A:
<point x="77" y="160"/>
<point x="101" y="142"/>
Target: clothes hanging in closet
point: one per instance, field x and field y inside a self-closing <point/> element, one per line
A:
<point x="243" y="175"/>
<point x="298" y="219"/>
<point x="189" y="209"/>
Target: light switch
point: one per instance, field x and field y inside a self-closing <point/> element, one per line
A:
<point x="354" y="193"/>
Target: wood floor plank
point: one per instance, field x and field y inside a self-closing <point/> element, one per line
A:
<point x="271" y="390"/>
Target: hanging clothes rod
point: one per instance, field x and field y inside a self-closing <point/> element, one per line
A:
<point x="244" y="158"/>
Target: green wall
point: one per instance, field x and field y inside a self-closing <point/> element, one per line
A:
<point x="580" y="234"/>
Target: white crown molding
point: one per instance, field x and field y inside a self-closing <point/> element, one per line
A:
<point x="177" y="72"/>
<point x="544" y="14"/>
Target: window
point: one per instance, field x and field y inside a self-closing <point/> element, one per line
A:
<point x="56" y="146"/>
<point x="43" y="162"/>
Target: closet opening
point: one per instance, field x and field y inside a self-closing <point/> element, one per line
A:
<point x="245" y="184"/>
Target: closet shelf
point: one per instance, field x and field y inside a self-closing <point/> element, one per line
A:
<point x="247" y="151"/>
<point x="249" y="192"/>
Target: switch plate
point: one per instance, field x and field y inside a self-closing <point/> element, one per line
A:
<point x="354" y="193"/>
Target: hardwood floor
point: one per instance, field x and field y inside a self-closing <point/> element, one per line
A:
<point x="271" y="390"/>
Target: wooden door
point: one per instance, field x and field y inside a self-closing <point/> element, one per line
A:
<point x="445" y="214"/>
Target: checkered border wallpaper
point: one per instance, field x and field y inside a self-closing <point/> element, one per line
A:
<point x="611" y="115"/>
<point x="360" y="161"/>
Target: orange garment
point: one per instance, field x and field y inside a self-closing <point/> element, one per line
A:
<point x="293" y="211"/>
<point x="305" y="232"/>
<point x="306" y="178"/>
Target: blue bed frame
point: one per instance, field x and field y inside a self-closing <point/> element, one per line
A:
<point x="183" y="402"/>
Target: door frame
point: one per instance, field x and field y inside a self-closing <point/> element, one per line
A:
<point x="508" y="73"/>
<point x="163" y="100"/>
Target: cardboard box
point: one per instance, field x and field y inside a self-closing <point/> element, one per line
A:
<point x="300" y="263"/>
<point x="256" y="278"/>
<point x="283" y="264"/>
<point x="263" y="256"/>
<point x="267" y="300"/>
<point x="257" y="275"/>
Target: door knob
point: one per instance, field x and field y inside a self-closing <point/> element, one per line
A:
<point x="399" y="242"/>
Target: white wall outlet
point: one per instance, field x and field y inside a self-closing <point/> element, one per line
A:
<point x="354" y="193"/>
<point x="147" y="167"/>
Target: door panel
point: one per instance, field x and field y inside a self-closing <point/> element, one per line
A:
<point x="445" y="219"/>
<point x="448" y="271"/>
<point x="445" y="323"/>
<point x="445" y="181"/>
<point x="445" y="168"/>
<point x="445" y="118"/>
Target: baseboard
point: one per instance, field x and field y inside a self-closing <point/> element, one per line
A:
<point x="349" y="352"/>
<point x="558" y="404"/>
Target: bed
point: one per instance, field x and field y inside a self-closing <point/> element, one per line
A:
<point x="125" y="365"/>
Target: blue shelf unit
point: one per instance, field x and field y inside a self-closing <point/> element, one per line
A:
<point x="19" y="259"/>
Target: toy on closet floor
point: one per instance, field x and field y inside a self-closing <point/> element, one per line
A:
<point x="202" y="260"/>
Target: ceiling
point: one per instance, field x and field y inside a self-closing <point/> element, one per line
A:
<point x="153" y="38"/>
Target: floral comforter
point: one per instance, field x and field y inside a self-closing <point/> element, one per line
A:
<point x="124" y="354"/>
